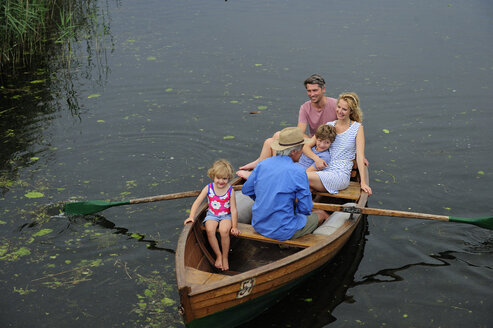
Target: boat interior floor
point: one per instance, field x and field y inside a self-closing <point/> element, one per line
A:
<point x="249" y="254"/>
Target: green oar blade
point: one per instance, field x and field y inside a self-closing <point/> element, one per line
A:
<point x="90" y="207"/>
<point x="486" y="222"/>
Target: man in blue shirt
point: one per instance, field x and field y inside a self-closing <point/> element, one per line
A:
<point x="279" y="187"/>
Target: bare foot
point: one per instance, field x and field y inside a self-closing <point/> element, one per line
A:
<point x="249" y="166"/>
<point x="243" y="174"/>
<point x="219" y="263"/>
<point x="225" y="264"/>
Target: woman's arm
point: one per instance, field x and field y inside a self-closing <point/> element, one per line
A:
<point x="307" y="150"/>
<point x="360" y="159"/>
<point x="200" y="198"/>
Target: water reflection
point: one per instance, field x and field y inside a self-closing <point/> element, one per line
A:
<point x="390" y="275"/>
<point x="32" y="97"/>
<point x="101" y="221"/>
<point x="313" y="303"/>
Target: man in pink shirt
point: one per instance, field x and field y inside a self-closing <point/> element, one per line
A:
<point x="319" y="109"/>
<point x="313" y="113"/>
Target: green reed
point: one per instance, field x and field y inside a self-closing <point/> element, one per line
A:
<point x="27" y="26"/>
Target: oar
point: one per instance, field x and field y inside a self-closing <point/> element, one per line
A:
<point x="94" y="206"/>
<point x="485" y="222"/>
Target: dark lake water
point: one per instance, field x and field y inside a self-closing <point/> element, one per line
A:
<point x="169" y="87"/>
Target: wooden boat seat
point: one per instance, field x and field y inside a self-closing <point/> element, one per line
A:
<point x="352" y="192"/>
<point x="247" y="232"/>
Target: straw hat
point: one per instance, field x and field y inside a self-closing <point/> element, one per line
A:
<point x="289" y="137"/>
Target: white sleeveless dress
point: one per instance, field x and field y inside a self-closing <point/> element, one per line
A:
<point x="342" y="151"/>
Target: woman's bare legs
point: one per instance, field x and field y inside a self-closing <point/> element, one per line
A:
<point x="311" y="169"/>
<point x="315" y="182"/>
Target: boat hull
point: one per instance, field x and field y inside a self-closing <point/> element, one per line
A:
<point x="216" y="299"/>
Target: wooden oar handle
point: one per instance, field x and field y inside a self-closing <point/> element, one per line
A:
<point x="377" y="211"/>
<point x="192" y="193"/>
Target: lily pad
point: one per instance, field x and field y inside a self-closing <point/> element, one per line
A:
<point x="42" y="232"/>
<point x="34" y="194"/>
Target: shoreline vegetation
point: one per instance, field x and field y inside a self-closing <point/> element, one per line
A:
<point x="47" y="49"/>
<point x="30" y="28"/>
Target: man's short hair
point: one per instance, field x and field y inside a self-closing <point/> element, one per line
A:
<point x="287" y="151"/>
<point x="315" y="79"/>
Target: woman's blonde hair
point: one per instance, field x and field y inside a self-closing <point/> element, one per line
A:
<point x="222" y="169"/>
<point x="353" y="103"/>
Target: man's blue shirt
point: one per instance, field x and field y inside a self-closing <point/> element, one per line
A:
<point x="274" y="185"/>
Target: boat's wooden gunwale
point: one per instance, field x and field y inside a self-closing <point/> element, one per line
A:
<point x="266" y="269"/>
<point x="219" y="298"/>
<point x="297" y="266"/>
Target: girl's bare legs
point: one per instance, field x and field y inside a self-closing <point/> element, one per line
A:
<point x="224" y="230"/>
<point x="210" y="228"/>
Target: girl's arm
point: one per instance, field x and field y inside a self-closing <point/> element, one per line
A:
<point x="234" y="214"/>
<point x="307" y="150"/>
<point x="200" y="198"/>
<point x="360" y="159"/>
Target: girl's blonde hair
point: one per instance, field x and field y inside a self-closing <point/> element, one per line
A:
<point x="353" y="103"/>
<point x="222" y="169"/>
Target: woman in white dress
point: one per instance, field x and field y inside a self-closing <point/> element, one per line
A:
<point x="348" y="145"/>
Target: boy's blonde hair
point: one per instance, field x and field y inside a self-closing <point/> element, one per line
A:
<point x="353" y="103"/>
<point x="326" y="132"/>
<point x="222" y="169"/>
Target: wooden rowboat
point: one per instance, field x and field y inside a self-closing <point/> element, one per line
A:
<point x="262" y="270"/>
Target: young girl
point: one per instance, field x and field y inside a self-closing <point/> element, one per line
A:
<point x="222" y="210"/>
